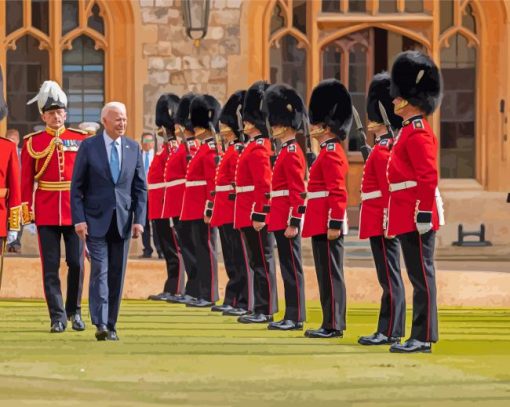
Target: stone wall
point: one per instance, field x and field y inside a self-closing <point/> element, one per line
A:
<point x="175" y="64"/>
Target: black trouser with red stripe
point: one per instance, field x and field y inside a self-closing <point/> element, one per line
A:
<point x="185" y="239"/>
<point x="328" y="256"/>
<point x="289" y="254"/>
<point x="49" y="245"/>
<point x="206" y="258"/>
<point x="259" y="246"/>
<point x="239" y="289"/>
<point x="169" y="245"/>
<point x="418" y="251"/>
<point x="392" y="315"/>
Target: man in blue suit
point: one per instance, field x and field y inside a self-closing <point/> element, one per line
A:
<point x="108" y="203"/>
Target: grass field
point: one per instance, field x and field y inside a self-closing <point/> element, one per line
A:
<point x="171" y="355"/>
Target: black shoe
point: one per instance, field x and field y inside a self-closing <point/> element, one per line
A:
<point x="112" y="336"/>
<point x="102" y="333"/>
<point x="160" y="256"/>
<point x="222" y="308"/>
<point x="57" y="328"/>
<point x="324" y="333"/>
<point x="235" y="312"/>
<point x="160" y="297"/>
<point x="286" y="325"/>
<point x="378" y="339"/>
<point x="411" y="346"/>
<point x="145" y="256"/>
<point x="182" y="299"/>
<point x="77" y="322"/>
<point x="200" y="303"/>
<point x="255" y="319"/>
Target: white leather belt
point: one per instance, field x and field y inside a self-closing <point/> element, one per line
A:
<point x="399" y="186"/>
<point x="224" y="188"/>
<point x="282" y="192"/>
<point x="166" y="184"/>
<point x="370" y="195"/>
<point x="195" y="183"/>
<point x="247" y="188"/>
<point x="317" y="194"/>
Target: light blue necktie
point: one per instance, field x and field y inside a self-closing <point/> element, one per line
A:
<point x="114" y="162"/>
<point x="146" y="165"/>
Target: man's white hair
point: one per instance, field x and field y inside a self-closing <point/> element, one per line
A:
<point x="112" y="106"/>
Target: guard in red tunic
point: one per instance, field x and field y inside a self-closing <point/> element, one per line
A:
<point x="414" y="215"/>
<point x="253" y="184"/>
<point x="325" y="217"/>
<point x="48" y="158"/>
<point x="161" y="180"/>
<point x="239" y="289"/>
<point x="375" y="195"/>
<point x="10" y="195"/>
<point x="198" y="195"/>
<point x="174" y="170"/>
<point x="286" y="110"/>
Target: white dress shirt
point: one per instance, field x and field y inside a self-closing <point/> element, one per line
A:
<point x="108" y="142"/>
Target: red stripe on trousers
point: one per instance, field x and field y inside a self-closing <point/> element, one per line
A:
<point x="390" y="328"/>
<point x="427" y="287"/>
<point x="297" y="282"/>
<point x="267" y="274"/>
<point x="247" y="271"/>
<point x="332" y="291"/>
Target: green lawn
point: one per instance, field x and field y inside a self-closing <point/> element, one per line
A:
<point x="173" y="355"/>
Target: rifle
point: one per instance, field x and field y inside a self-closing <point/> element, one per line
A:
<point x="365" y="148"/>
<point x="310" y="155"/>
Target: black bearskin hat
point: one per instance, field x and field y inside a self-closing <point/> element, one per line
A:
<point x="415" y="78"/>
<point x="228" y="114"/>
<point x="205" y="112"/>
<point x="166" y="110"/>
<point x="284" y="107"/>
<point x="3" y="105"/>
<point x="183" y="117"/>
<point x="379" y="91"/>
<point x="331" y="105"/>
<point x="252" y="108"/>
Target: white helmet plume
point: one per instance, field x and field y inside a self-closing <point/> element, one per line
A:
<point x="49" y="90"/>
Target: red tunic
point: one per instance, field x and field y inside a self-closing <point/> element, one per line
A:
<point x="412" y="166"/>
<point x="287" y="185"/>
<point x="199" y="181"/>
<point x="223" y="209"/>
<point x="10" y="195"/>
<point x="48" y="157"/>
<point x="253" y="182"/>
<point x="166" y="179"/>
<point x="327" y="180"/>
<point x="375" y="191"/>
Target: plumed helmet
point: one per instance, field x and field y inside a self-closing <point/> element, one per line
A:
<point x="166" y="110"/>
<point x="331" y="105"/>
<point x="231" y="112"/>
<point x="50" y="97"/>
<point x="183" y="117"/>
<point x="252" y="108"/>
<point x="3" y="104"/>
<point x="415" y="78"/>
<point x="205" y="112"/>
<point x="379" y="91"/>
<point x="283" y="106"/>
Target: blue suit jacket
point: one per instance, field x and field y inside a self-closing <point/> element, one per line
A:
<point x="94" y="195"/>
